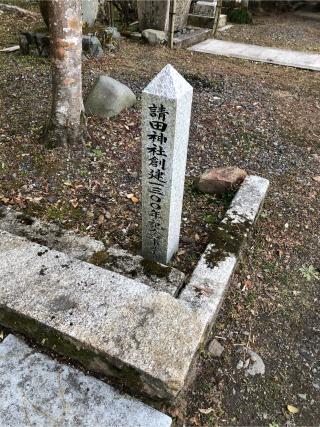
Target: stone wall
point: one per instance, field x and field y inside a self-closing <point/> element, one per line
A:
<point x="89" y="11"/>
<point x="155" y="14"/>
<point x="182" y="11"/>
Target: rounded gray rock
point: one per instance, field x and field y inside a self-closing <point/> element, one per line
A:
<point x="108" y="97"/>
<point x="154" y="37"/>
<point x="215" y="348"/>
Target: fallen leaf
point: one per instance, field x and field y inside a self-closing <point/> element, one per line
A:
<point x="292" y="409"/>
<point x="4" y="199"/>
<point x="34" y="199"/>
<point x="129" y="196"/>
<point x="134" y="199"/>
<point x="101" y="219"/>
<point x="176" y="413"/>
<point x="206" y="411"/>
<point x="181" y="252"/>
<point x="316" y="178"/>
<point x="74" y="203"/>
<point x="248" y="284"/>
<point x="195" y="421"/>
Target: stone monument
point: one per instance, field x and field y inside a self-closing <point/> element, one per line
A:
<point x="154" y="14"/>
<point x="166" y="111"/>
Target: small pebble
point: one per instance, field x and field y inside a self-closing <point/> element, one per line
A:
<point x="215" y="348"/>
<point x="302" y="396"/>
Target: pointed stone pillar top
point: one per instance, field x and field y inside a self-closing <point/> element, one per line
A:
<point x="169" y="84"/>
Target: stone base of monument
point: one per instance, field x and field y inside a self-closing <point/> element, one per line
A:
<point x="200" y="21"/>
<point x="204" y="21"/>
<point x="182" y="39"/>
<point x="204" y="8"/>
<point x="144" y="338"/>
<point x="191" y="36"/>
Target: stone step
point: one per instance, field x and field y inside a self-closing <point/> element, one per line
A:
<point x="200" y="21"/>
<point x="117" y="326"/>
<point x="204" y="8"/>
<point x="37" y="390"/>
<point x="203" y="21"/>
<point x="196" y="35"/>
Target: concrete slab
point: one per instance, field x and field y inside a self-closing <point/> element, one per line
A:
<point x="290" y="58"/>
<point x="37" y="390"/>
<point x="109" y="323"/>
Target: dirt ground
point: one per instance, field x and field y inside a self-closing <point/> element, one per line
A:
<point x="284" y="30"/>
<point x="259" y="117"/>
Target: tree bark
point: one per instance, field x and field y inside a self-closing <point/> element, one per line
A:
<point x="67" y="120"/>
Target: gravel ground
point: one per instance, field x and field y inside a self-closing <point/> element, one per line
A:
<point x="259" y="117"/>
<point x="284" y="30"/>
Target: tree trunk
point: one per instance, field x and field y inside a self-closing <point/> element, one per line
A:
<point x="67" y="121"/>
